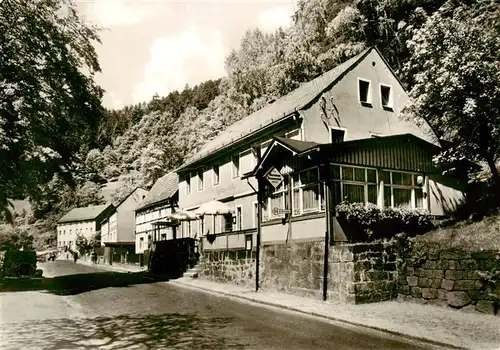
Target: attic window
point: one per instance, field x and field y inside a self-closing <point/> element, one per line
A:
<point x="364" y="92"/>
<point x="337" y="135"/>
<point x="386" y="96"/>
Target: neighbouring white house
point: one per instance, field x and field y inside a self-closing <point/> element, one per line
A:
<point x="85" y="221"/>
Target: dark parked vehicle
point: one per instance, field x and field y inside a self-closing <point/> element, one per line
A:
<point x="20" y="264"/>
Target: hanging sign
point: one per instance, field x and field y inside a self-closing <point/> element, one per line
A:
<point x="274" y="177"/>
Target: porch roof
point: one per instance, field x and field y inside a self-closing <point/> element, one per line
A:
<point x="296" y="146"/>
<point x="398" y="152"/>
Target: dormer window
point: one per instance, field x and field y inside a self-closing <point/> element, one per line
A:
<point x="386" y="96"/>
<point x="364" y="92"/>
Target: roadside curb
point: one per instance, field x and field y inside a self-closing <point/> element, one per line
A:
<point x="315" y="314"/>
<point x="110" y="267"/>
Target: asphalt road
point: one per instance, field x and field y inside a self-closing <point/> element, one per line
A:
<point x="79" y="307"/>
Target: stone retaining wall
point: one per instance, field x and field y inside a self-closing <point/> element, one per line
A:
<point x="237" y="267"/>
<point x="451" y="278"/>
<point x="357" y="273"/>
<point x="295" y="268"/>
<point x="362" y="273"/>
<point x="367" y="272"/>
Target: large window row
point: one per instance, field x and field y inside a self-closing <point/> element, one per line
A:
<point x="351" y="184"/>
<point x="307" y="196"/>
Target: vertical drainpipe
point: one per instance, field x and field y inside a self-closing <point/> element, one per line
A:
<point x="328" y="219"/>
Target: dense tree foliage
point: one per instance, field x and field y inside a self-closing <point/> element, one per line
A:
<point x="49" y="103"/>
<point x="455" y="62"/>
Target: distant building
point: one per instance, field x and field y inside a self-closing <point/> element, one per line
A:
<point x="150" y="215"/>
<point x="119" y="225"/>
<point x="80" y="221"/>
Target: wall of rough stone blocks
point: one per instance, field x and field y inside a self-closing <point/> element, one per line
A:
<point x="295" y="268"/>
<point x="451" y="278"/>
<point x="362" y="273"/>
<point x="357" y="273"/>
<point x="366" y="272"/>
<point x="236" y="267"/>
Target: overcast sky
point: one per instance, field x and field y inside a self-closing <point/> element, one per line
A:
<point x="160" y="46"/>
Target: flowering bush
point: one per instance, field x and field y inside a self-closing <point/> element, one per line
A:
<point x="369" y="222"/>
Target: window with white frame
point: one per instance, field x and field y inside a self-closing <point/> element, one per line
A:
<point x="200" y="179"/>
<point x="188" y="183"/>
<point x="239" y="218"/>
<point x="277" y="200"/>
<point x="386" y="98"/>
<point x="364" y="91"/>
<point x="354" y="184"/>
<point x="402" y="189"/>
<point x="235" y="161"/>
<point x="226" y="222"/>
<point x="247" y="161"/>
<point x="215" y="173"/>
<point x="294" y="134"/>
<point x="308" y="192"/>
<point x="248" y="242"/>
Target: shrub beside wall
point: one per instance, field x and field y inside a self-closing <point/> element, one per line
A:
<point x="367" y="222"/>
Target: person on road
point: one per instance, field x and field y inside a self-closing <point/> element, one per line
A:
<point x="75" y="257"/>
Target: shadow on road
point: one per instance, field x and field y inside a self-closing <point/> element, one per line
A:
<point x="80" y="283"/>
<point x="161" y="331"/>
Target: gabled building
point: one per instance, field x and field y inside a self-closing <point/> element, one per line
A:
<point x="119" y="225"/>
<point x="350" y="106"/>
<point x="84" y="221"/>
<point x="151" y="214"/>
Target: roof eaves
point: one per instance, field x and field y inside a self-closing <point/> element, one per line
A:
<point x="285" y="116"/>
<point x="153" y="204"/>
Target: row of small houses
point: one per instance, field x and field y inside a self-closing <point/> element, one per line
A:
<point x="277" y="174"/>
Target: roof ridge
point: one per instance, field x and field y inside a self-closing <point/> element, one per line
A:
<point x="279" y="109"/>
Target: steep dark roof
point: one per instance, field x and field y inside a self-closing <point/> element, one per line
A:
<point x="281" y="108"/>
<point x="164" y="188"/>
<point x="84" y="214"/>
<point x="296" y="145"/>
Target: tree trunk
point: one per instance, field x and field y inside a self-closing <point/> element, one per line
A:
<point x="494" y="171"/>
